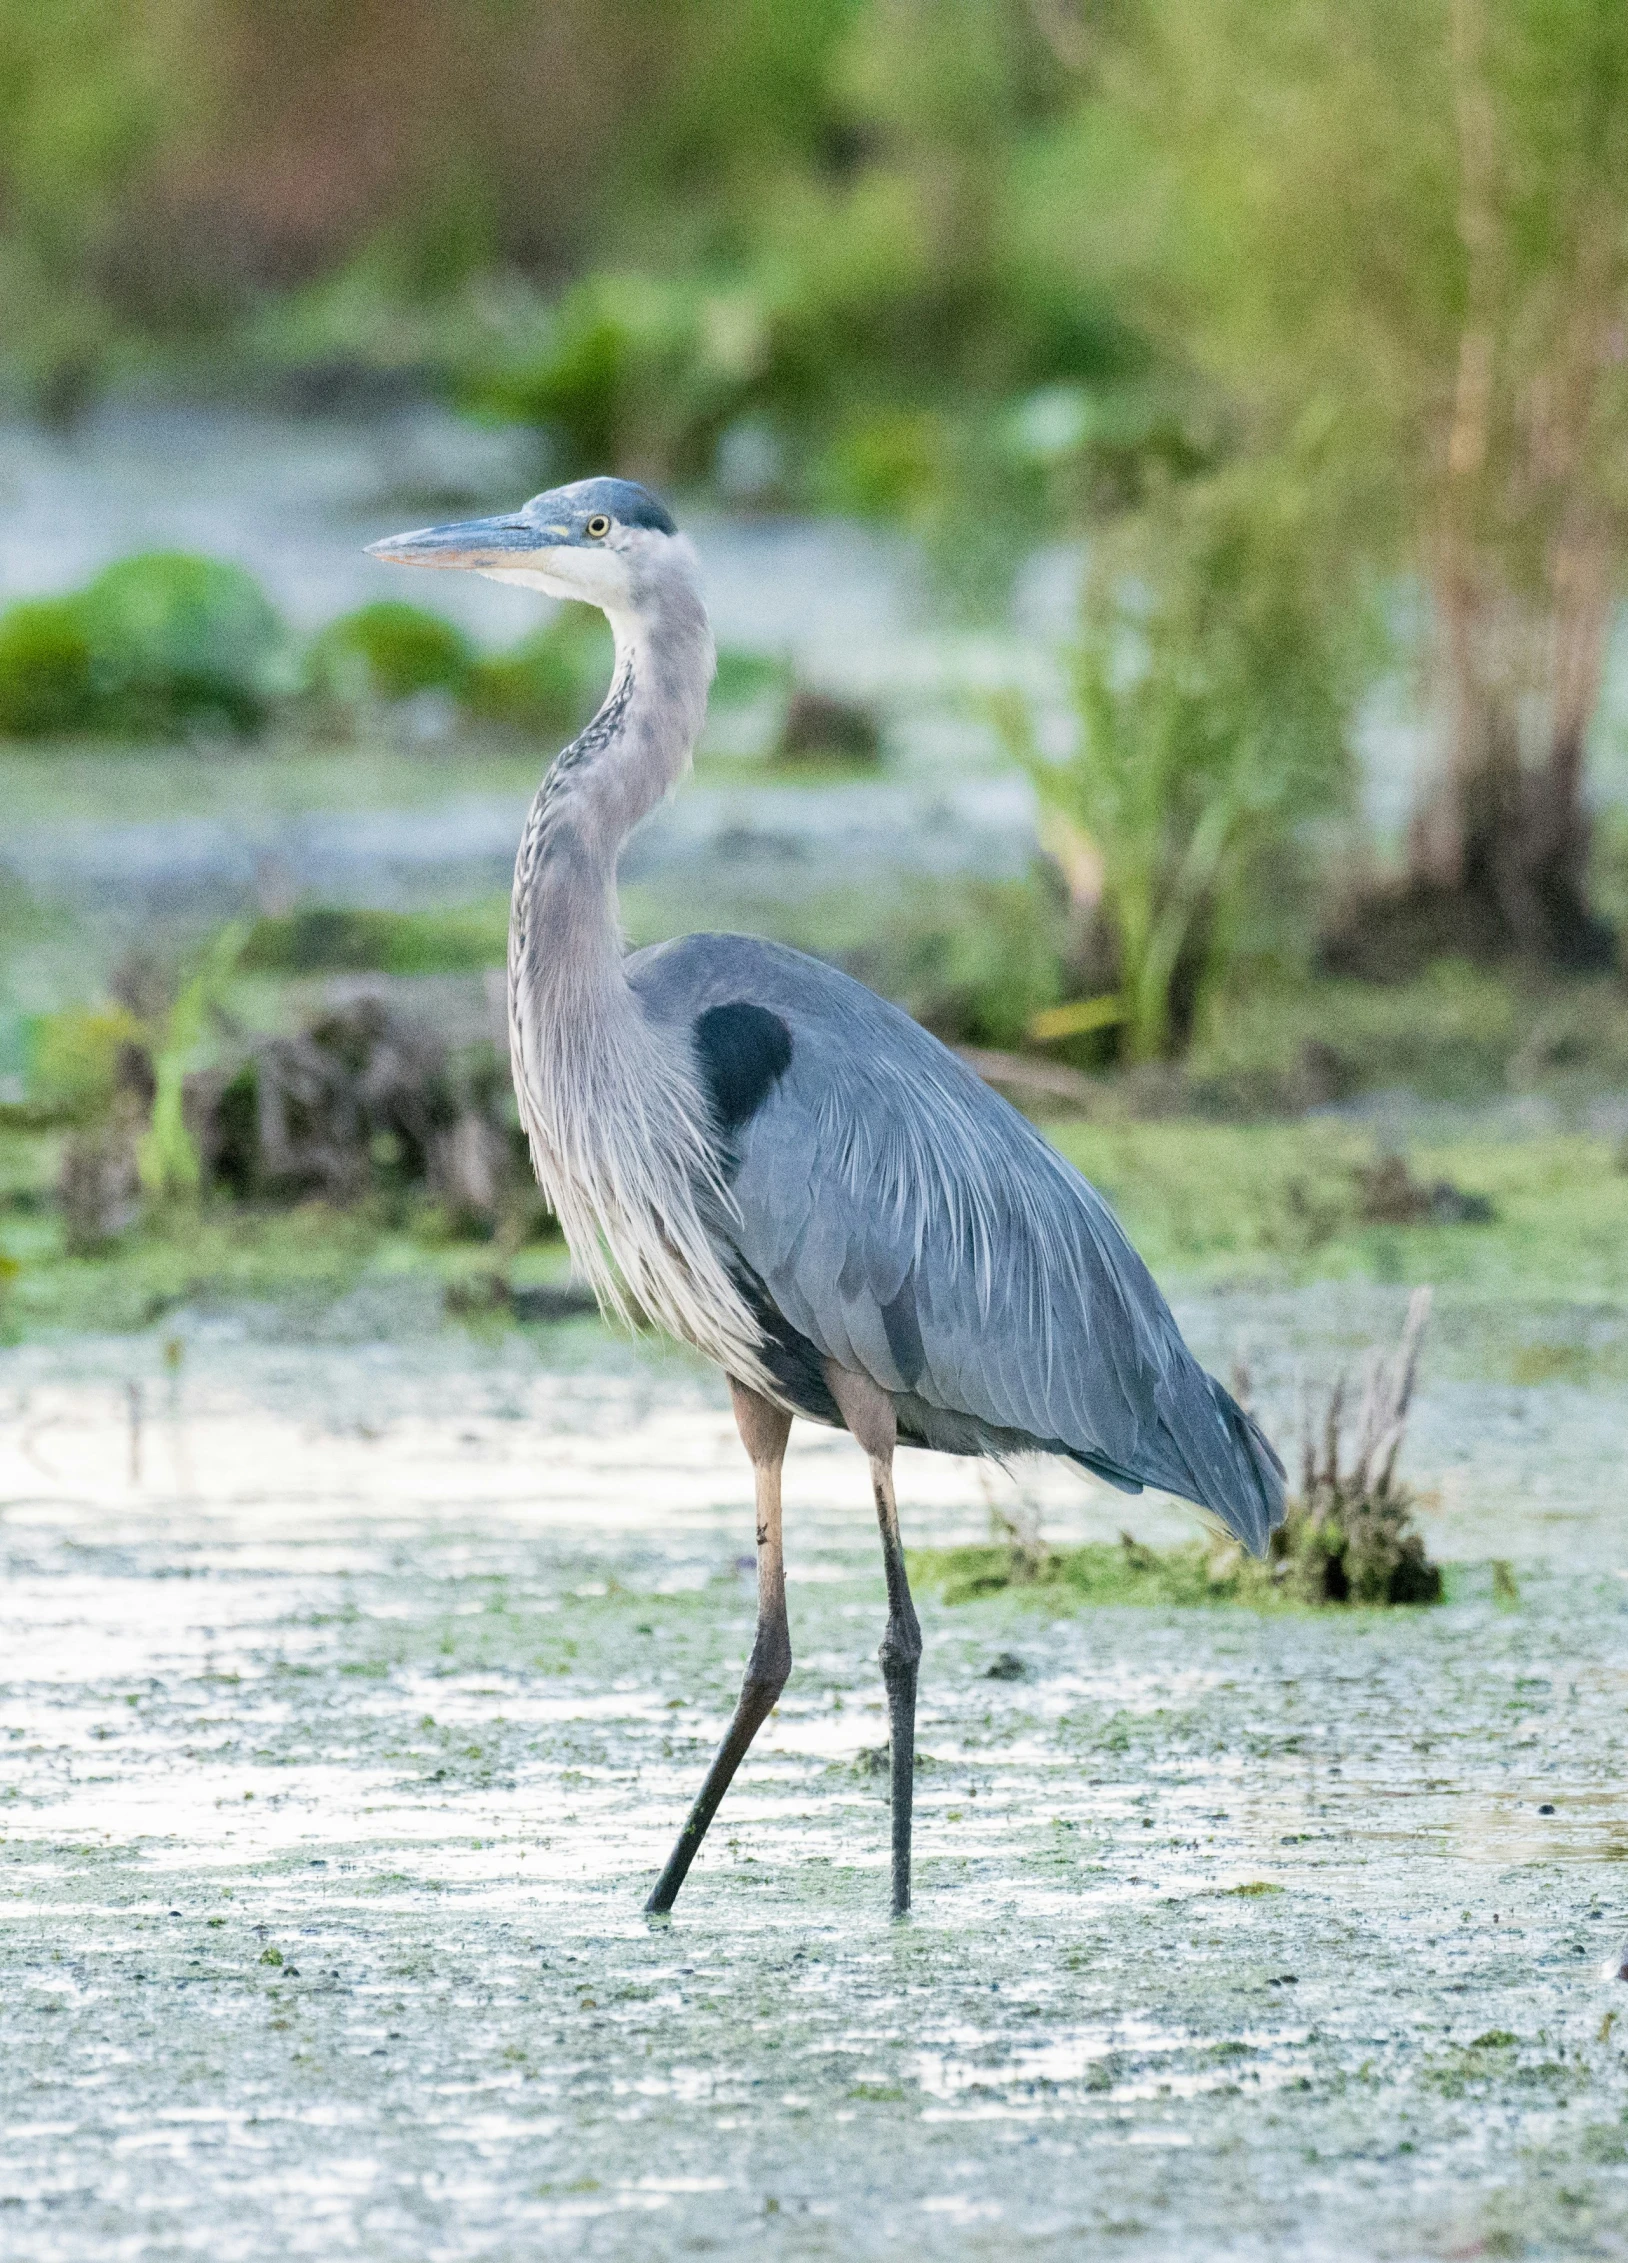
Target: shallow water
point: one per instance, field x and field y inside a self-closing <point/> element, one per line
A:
<point x="352" y="1694"/>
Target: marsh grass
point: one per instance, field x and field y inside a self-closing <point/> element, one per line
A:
<point x="1261" y="1203"/>
<point x="1349" y="1536"/>
<point x="1536" y="1295"/>
<point x="398" y="1257"/>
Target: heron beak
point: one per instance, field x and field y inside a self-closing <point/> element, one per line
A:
<point x="473" y="544"/>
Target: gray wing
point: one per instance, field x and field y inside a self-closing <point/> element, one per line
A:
<point x="910" y="1224"/>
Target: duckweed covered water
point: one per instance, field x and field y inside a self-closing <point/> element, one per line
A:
<point x="350" y="1697"/>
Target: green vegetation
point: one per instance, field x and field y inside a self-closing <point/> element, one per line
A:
<point x="1105" y="1573"/>
<point x="545" y="685"/>
<point x="1267" y="1202"/>
<point x="156" y="647"/>
<point x="74" y="1063"/>
<point x="167" y="646"/>
<point x="1214" y="688"/>
<point x="329" y="941"/>
<point x="817" y="248"/>
<point x="1406" y="226"/>
<point x="549" y="682"/>
<point x="302" y="1259"/>
<point x="1291" y="1211"/>
<point x="1282" y="305"/>
<point x="1101" y="1573"/>
<point x="1456" y="1033"/>
<point x="46" y="683"/>
<point x="178" y="641"/>
<point x="386" y="651"/>
<point x="168" y="1158"/>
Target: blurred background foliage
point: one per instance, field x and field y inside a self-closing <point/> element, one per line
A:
<point x="1307" y="323"/>
<point x="992" y="268"/>
<point x="169" y="646"/>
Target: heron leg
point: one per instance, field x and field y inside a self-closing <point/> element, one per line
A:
<point x="764" y="1430"/>
<point x="868" y="1412"/>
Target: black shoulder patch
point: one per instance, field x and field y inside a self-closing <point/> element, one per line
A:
<point x="744" y="1050"/>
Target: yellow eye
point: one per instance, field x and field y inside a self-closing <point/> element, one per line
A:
<point x="598" y="525"/>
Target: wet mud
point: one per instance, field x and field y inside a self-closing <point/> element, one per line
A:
<point x="350" y="1695"/>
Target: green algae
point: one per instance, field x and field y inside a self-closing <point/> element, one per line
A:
<point x="1193" y="1574"/>
<point x="1099" y="1572"/>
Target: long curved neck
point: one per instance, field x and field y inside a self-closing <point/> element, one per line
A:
<point x="620" y="1133"/>
<point x="565" y="936"/>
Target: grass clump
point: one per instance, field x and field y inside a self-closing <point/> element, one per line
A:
<point x="179" y="642"/>
<point x="1349" y="1536"/>
<point x="46" y="683"/>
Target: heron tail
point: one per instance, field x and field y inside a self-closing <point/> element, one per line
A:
<point x="1244" y="1482"/>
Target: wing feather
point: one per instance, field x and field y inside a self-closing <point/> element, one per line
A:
<point x="880" y="1176"/>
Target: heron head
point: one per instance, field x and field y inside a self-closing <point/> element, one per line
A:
<point x="596" y="540"/>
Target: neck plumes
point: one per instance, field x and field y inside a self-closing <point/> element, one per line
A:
<point x="619" y="1128"/>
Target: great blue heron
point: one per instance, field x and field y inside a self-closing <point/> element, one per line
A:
<point x="790" y="1174"/>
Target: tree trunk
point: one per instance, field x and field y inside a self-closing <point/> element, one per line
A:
<point x="1498" y="861"/>
<point x="1498" y="858"/>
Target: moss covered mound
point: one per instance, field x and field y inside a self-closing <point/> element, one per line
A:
<point x="1314" y="1567"/>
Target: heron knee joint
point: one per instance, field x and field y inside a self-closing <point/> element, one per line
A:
<point x="763" y="1690"/>
<point x="903" y="1632"/>
<point x="768" y="1669"/>
<point x="901" y="1651"/>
